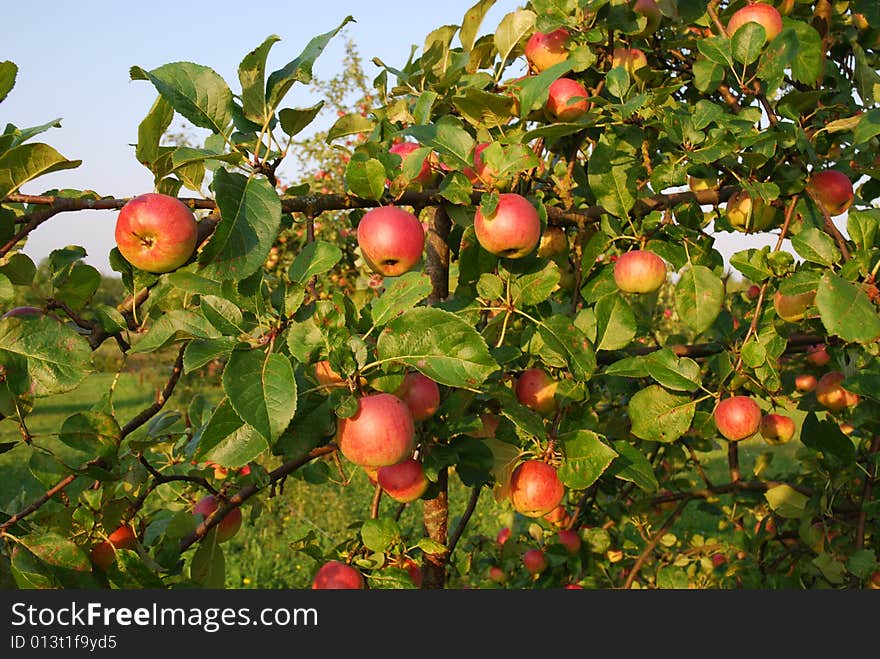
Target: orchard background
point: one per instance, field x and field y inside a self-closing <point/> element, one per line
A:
<point x="130" y="404"/>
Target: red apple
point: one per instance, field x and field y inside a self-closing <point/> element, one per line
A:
<point x="503" y="535"/>
<point x="793" y="308"/>
<point x="156" y="233"/>
<point x="632" y="59"/>
<point x="558" y="517"/>
<point x="805" y="382"/>
<point x="831" y="394"/>
<point x="404" y="481"/>
<point x="777" y="428"/>
<point x="544" y="49"/>
<point x="536" y="389"/>
<point x="832" y="190"/>
<point x="753" y="292"/>
<point x="403" y="149"/>
<point x="737" y="417"/>
<point x="817" y="355"/>
<point x="639" y="271"/>
<point x="391" y="240"/>
<point x="718" y="560"/>
<point x="749" y="214"/>
<point x="228" y="526"/>
<point x="379" y="434"/>
<point x="767" y="16"/>
<point x="421" y="394"/>
<point x="535" y="488"/>
<point x="481" y="174"/>
<point x="570" y="540"/>
<point x="535" y="561"/>
<point x="513" y="231"/>
<point x="414" y="571"/>
<point x="496" y="574"/>
<point x="336" y="575"/>
<point x="651" y="10"/>
<point x="567" y="100"/>
<point x="104" y="553"/>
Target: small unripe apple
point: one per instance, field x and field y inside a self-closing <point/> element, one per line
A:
<point x="570" y="540"/>
<point x="639" y="271"/>
<point x="535" y="488"/>
<point x="631" y="59"/>
<point x="535" y="561"/>
<point x="749" y="214"/>
<point x="805" y="382"/>
<point x="536" y="389"/>
<point x="544" y="49"/>
<point x="737" y="417"/>
<point x="421" y="394"/>
<point x="156" y="232"/>
<point x="513" y="231"/>
<point x="379" y="434"/>
<point x="777" y="428"/>
<point x="568" y="100"/>
<point x="832" y="190"/>
<point x="554" y="242"/>
<point x="228" y="526"/>
<point x="698" y="183"/>
<point x="404" y="481"/>
<point x="830" y="392"/>
<point x="650" y="10"/>
<point x="336" y="575"/>
<point x="793" y="308"/>
<point x="403" y="149"/>
<point x="391" y="240"/>
<point x="765" y="15"/>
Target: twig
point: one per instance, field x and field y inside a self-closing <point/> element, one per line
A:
<point x="640" y="561"/>
<point x="465" y="518"/>
<point x="163" y="397"/>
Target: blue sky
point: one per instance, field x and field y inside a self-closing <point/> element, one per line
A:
<point x="74" y="61"/>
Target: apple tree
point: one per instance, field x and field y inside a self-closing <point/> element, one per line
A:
<point x="513" y="282"/>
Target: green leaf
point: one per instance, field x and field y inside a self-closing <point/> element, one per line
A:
<point x="752" y="263"/>
<point x="251" y="213"/>
<point x="816" y="246"/>
<point x="58" y="359"/>
<point x="252" y="75"/>
<point x="864" y="384"/>
<point x="380" y="534"/>
<point x="863" y="227"/>
<point x="8" y="72"/>
<point x="456" y="188"/>
<point x="201" y="352"/>
<point x="262" y="390"/>
<point x="294" y="120"/>
<point x="93" y="433"/>
<point x="440" y="345"/>
<point x="401" y="295"/>
<point x="30" y="573"/>
<point x="27" y="162"/>
<point x="660" y="416"/>
<point x="471" y="22"/>
<point x="524" y="418"/>
<point x="806" y="52"/>
<point x="19" y="268"/>
<point x="365" y="178"/>
<point x="315" y="258"/>
<point x="586" y="457"/>
<point x="227" y="440"/>
<point x="748" y="42"/>
<point x="481" y="108"/>
<point x="448" y="138"/>
<point x="67" y="560"/>
<point x="614" y="169"/>
<point x="827" y="437"/>
<point x="786" y="502"/>
<point x="535" y="287"/>
<point x="868" y="126"/>
<point x="175" y="326"/>
<point x="718" y="50"/>
<point x="534" y="90"/>
<point x="196" y="92"/>
<point x="512" y="29"/>
<point x="673" y="372"/>
<point x="150" y="132"/>
<point x="298" y="70"/>
<point x="7" y="290"/>
<point x="699" y="296"/>
<point x="564" y="337"/>
<point x="208" y="567"/>
<point x="349" y="124"/>
<point x="846" y="310"/>
<point x="632" y="465"/>
<point x="615" y="323"/>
